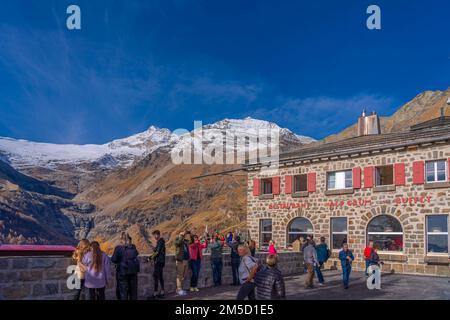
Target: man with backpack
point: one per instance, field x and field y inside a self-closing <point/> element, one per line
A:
<point x="125" y="257"/>
<point x="248" y="268"/>
<point x="323" y="253"/>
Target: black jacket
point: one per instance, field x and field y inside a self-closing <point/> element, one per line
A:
<point x="270" y="284"/>
<point x="234" y="250"/>
<point x="118" y="258"/>
<point x="159" y="255"/>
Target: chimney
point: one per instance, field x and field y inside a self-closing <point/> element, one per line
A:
<point x="368" y="124"/>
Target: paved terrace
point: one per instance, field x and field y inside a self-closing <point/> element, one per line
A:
<point x="393" y="287"/>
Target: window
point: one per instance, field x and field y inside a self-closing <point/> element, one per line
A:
<point x="338" y="232"/>
<point x="386" y="233"/>
<point x="266" y="186"/>
<point x="299" y="228"/>
<point x="437" y="234"/>
<point x="265" y="232"/>
<point x="339" y="180"/>
<point x="300" y="183"/>
<point x="436" y="171"/>
<point x="384" y="175"/>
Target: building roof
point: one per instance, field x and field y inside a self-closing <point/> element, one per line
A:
<point x="429" y="132"/>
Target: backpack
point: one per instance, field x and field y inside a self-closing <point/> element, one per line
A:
<point x="130" y="263"/>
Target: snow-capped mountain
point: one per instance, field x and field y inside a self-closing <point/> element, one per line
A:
<point x="23" y="154"/>
<point x="122" y="152"/>
<point x="233" y="136"/>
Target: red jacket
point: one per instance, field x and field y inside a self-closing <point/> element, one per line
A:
<point x="195" y="248"/>
<point x="367" y="252"/>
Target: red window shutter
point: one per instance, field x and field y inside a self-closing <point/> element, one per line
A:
<point x="288" y="184"/>
<point x="256" y="182"/>
<point x="399" y="174"/>
<point x="368" y="177"/>
<point x="356" y="178"/>
<point x="448" y="169"/>
<point x="276" y="185"/>
<point x="418" y="172"/>
<point x="312" y="182"/>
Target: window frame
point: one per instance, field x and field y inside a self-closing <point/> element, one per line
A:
<point x="261" y="232"/>
<point x="435" y="171"/>
<point x="288" y="227"/>
<point x="263" y="181"/>
<point x="333" y="233"/>
<point x="428" y="253"/>
<point x="294" y="184"/>
<point x="377" y="175"/>
<point x="329" y="173"/>
<point x="402" y="233"/>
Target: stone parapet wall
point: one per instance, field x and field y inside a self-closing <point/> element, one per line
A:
<point x="38" y="278"/>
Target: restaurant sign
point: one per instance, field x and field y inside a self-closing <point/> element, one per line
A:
<point x="359" y="202"/>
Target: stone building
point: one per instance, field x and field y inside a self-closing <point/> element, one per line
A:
<point x="392" y="188"/>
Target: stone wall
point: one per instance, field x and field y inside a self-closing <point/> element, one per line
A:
<point x="38" y="278"/>
<point x="315" y="207"/>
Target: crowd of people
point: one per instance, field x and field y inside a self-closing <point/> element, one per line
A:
<point x="255" y="279"/>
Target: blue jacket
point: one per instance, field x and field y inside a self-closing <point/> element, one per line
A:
<point x="343" y="257"/>
<point x="322" y="252"/>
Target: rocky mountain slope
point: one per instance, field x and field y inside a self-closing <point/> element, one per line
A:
<point x="32" y="211"/>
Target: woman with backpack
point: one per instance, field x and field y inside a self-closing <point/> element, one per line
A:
<point x="247" y="271"/>
<point x="125" y="257"/>
<point x="97" y="271"/>
<point x="195" y="254"/>
<point x="78" y="255"/>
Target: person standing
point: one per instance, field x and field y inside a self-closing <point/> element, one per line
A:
<point x="126" y="258"/>
<point x="181" y="260"/>
<point x="269" y="282"/>
<point x="216" y="247"/>
<point x="310" y="257"/>
<point x="272" y="250"/>
<point x="159" y="259"/>
<point x="346" y="257"/>
<point x="195" y="253"/>
<point x="306" y="242"/>
<point x="77" y="256"/>
<point x="235" y="259"/>
<point x="322" y="256"/>
<point x="367" y="252"/>
<point x="97" y="271"/>
<point x="247" y="271"/>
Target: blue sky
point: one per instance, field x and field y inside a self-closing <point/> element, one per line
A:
<point x="310" y="66"/>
